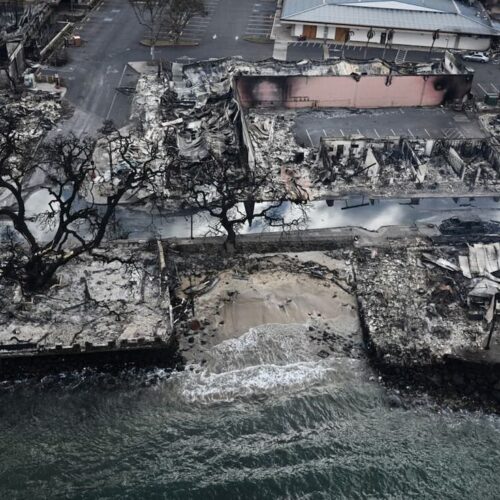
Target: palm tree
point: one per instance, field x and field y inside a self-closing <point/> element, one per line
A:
<point x="369" y="36"/>
<point x="435" y="36"/>
<point x="388" y="41"/>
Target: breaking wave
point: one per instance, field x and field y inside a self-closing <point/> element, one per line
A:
<point x="265" y="361"/>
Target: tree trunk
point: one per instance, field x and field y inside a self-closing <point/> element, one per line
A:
<point x="37" y="274"/>
<point x="230" y="243"/>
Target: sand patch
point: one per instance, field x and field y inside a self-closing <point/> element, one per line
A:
<point x="281" y="289"/>
<point x="272" y="297"/>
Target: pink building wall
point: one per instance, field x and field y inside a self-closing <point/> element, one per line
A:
<point x="372" y="91"/>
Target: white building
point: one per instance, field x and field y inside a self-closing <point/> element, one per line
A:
<point x="452" y="24"/>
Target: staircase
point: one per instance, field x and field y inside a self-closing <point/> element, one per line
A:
<point x="401" y="56"/>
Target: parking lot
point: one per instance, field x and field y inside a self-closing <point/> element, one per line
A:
<point x="260" y="21"/>
<point x="424" y="123"/>
<point x="197" y="26"/>
<point x="315" y="50"/>
<point x="486" y="78"/>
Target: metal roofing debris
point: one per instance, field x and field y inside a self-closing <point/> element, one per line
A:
<point x="478" y="267"/>
<point x="443" y="263"/>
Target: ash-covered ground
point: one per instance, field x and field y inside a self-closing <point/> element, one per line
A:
<point x="114" y="296"/>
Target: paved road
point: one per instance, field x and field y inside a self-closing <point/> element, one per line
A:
<point x="110" y="37"/>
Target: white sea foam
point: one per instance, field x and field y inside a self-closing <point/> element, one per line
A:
<point x="267" y="360"/>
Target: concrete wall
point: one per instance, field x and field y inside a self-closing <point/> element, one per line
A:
<point x="411" y="38"/>
<point x="297" y="29"/>
<point x="346" y="91"/>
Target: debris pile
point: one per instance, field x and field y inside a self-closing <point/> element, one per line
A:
<point x="481" y="267"/>
<point x="401" y="166"/>
<point x="36" y="113"/>
<point x="422" y="304"/>
<point x="112" y="299"/>
<point x="491" y="123"/>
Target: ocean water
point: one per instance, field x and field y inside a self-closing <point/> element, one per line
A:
<point x="263" y="417"/>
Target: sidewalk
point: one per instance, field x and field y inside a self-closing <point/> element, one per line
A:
<point x="281" y="36"/>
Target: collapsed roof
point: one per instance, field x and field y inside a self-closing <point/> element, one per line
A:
<point x="402" y="166"/>
<point x="19" y="19"/>
<point x="481" y="267"/>
<point x="198" y="111"/>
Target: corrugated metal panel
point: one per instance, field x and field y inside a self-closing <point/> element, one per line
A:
<point x="350" y="15"/>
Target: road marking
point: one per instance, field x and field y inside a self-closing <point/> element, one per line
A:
<point x="359" y="132"/>
<point x="325" y="133"/>
<point x="393" y="133"/>
<point x="482" y="88"/>
<point x="427" y="132"/>
<point x="378" y="135"/>
<point x="116" y="92"/>
<point x="402" y="112"/>
<point x="411" y="133"/>
<point x="342" y="132"/>
<point x="496" y="90"/>
<point x="309" y="135"/>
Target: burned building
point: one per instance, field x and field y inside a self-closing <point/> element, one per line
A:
<point x="422" y="304"/>
<point x="249" y="112"/>
<point x="404" y="166"/>
<point x="25" y="28"/>
<point x="352" y="84"/>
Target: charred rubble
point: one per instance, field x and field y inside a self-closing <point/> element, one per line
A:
<point x="111" y="306"/>
<point x="236" y="109"/>
<point x="430" y="316"/>
<point x="25" y="29"/>
<point x="35" y="112"/>
<point x="402" y="166"/>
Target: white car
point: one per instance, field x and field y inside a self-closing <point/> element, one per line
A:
<point x="476" y="57"/>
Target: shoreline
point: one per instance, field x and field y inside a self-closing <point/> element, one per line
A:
<point x="459" y="381"/>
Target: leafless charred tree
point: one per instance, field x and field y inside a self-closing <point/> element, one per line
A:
<point x="150" y="14"/>
<point x="180" y="13"/>
<point x="75" y="220"/>
<point x="169" y="15"/>
<point x="229" y="194"/>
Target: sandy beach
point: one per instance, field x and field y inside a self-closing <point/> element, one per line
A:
<point x="305" y="288"/>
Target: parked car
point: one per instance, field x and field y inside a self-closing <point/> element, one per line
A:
<point x="476" y="57"/>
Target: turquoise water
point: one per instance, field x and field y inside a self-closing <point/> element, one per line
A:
<point x="253" y="422"/>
